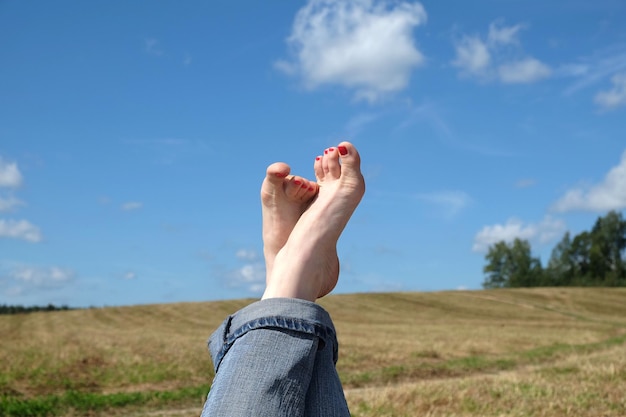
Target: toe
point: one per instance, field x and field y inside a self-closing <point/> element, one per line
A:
<point x="295" y="187"/>
<point x="299" y="189"/>
<point x="332" y="161"/>
<point x="350" y="159"/>
<point x="318" y="168"/>
<point x="277" y="172"/>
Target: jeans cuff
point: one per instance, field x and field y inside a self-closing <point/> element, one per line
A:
<point x="294" y="314"/>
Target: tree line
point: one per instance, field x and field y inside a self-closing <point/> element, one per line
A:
<point x="591" y="258"/>
<point x="17" y="309"/>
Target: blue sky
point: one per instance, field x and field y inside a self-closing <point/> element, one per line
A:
<point x="134" y="136"/>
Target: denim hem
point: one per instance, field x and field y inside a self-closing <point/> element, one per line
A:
<point x="279" y="313"/>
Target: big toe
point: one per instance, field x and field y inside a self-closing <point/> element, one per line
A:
<point x="276" y="172"/>
<point x="350" y="159"/>
<point x="272" y="186"/>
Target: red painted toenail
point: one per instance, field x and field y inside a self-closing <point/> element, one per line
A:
<point x="303" y="185"/>
<point x="279" y="175"/>
<point x="325" y="151"/>
<point x="317" y="158"/>
<point x="342" y="150"/>
<point x="311" y="188"/>
<point x="297" y="182"/>
<point x="331" y="149"/>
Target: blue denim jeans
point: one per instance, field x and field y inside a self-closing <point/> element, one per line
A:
<point x="275" y="358"/>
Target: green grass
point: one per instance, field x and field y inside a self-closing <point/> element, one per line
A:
<point x="86" y="403"/>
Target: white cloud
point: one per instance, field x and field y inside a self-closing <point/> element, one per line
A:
<point x="130" y="275"/>
<point x="24" y="279"/>
<point x="572" y="70"/>
<point x="489" y="59"/>
<point x="549" y="229"/>
<point x="450" y="202"/>
<point x="502" y="35"/>
<point x="358" y="123"/>
<point x="595" y="68"/>
<point x="247" y="255"/>
<point x="10" y="175"/>
<point x="250" y="276"/>
<point x="364" y="45"/>
<point x="132" y="205"/>
<point x="9" y="203"/>
<point x="525" y="183"/>
<point x="19" y="229"/>
<point x="51" y="276"/>
<point x="472" y="56"/>
<point x="153" y="47"/>
<point x="614" y="97"/>
<point x="526" y="70"/>
<point x="610" y="194"/>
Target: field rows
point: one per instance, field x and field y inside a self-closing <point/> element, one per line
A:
<point x="540" y="352"/>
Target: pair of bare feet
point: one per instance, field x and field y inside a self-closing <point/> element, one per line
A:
<point x="302" y="222"/>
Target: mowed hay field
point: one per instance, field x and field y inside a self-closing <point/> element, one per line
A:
<point x="526" y="352"/>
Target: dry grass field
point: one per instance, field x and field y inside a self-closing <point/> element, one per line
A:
<point x="527" y="352"/>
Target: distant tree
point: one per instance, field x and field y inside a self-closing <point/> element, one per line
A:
<point x="561" y="269"/>
<point x="591" y="258"/>
<point x="608" y="242"/>
<point x="512" y="265"/>
<point x="17" y="309"/>
<point x="580" y="254"/>
<point x="497" y="268"/>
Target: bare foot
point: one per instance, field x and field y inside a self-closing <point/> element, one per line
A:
<point x="307" y="266"/>
<point x="284" y="198"/>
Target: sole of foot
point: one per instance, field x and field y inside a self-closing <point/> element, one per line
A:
<point x="307" y="266"/>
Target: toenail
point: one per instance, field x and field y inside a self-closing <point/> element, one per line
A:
<point x="342" y="150"/>
<point x="325" y="151"/>
<point x="331" y="149"/>
<point x="310" y="188"/>
<point x="280" y="175"/>
<point x="303" y="185"/>
<point x="317" y="158"/>
<point x="297" y="182"/>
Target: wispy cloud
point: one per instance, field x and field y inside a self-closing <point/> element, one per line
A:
<point x="168" y="151"/>
<point x="549" y="229"/>
<point x="429" y="113"/>
<point x="9" y="203"/>
<point x="365" y="45"/>
<point x="487" y="59"/>
<point x="433" y="116"/>
<point x="20" y="229"/>
<point x="595" y="68"/>
<point x="358" y="123"/>
<point x="614" y="97"/>
<point x="450" y="203"/>
<point x="472" y="56"/>
<point x="243" y="269"/>
<point x="10" y="175"/>
<point x="250" y="276"/>
<point x="27" y="279"/>
<point x="247" y="255"/>
<point x="527" y="70"/>
<point x="525" y="183"/>
<point x="131" y="206"/>
<point x="609" y="194"/>
<point x="153" y="47"/>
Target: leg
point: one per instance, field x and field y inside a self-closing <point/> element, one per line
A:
<point x="276" y="357"/>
